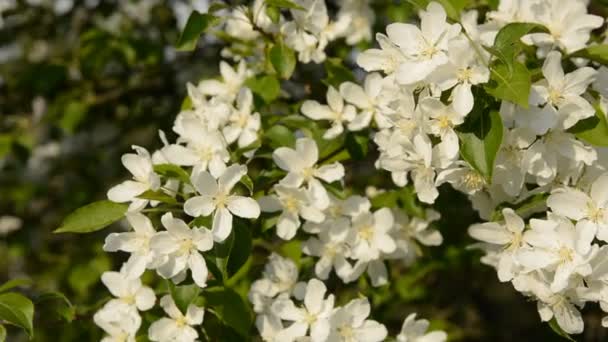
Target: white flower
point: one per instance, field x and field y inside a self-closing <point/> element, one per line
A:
<point x="387" y="59"/>
<point x="561" y="95"/>
<point x="442" y="120"/>
<point x="137" y="243"/>
<point x="335" y="111"/>
<point x="231" y="83"/>
<point x="414" y="330"/>
<point x="331" y="248"/>
<point x="144" y="179"/>
<point x="349" y="324"/>
<point x="216" y="198"/>
<point x="279" y="277"/>
<point x="205" y="149"/>
<point x="119" y="320"/>
<point x="370" y="235"/>
<point x="176" y="327"/>
<point x="243" y="126"/>
<point x="313" y="316"/>
<point x="425" y="47"/>
<point x="293" y="204"/>
<point x="182" y="246"/>
<point x="369" y="99"/>
<point x="462" y="177"/>
<point x="301" y="167"/>
<point x="508" y="235"/>
<point x="590" y="210"/>
<point x="129" y="290"/>
<point x="509" y="169"/>
<point x="408" y="231"/>
<point x="555" y="245"/>
<point x="463" y="70"/>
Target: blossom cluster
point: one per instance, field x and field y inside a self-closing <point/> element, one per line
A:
<point x="419" y="94"/>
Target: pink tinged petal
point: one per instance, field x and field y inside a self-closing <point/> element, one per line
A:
<point x="571" y="203"/>
<point x="330" y="173"/>
<point x="490" y="232"/>
<point x="552" y="69"/>
<point x="198" y="267"/>
<point x="231" y="176"/>
<point x="315" y="292"/>
<point x="463" y="98"/>
<point x="222" y="224"/>
<point x="199" y="206"/>
<point x="126" y="191"/>
<point x="243" y="207"/>
<point x="145" y="298"/>
<point x="307" y="151"/>
<point x="204" y="183"/>
<point x="180" y="155"/>
<point x="599" y="191"/>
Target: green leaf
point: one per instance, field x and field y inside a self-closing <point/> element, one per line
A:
<point x="559" y="331"/>
<point x="279" y="136"/>
<point x="183" y="295"/>
<point x="337" y="73"/>
<point x="74" y="113"/>
<point x="158" y="196"/>
<point x="507" y="44"/>
<point x="2" y="333"/>
<point x="283" y="4"/>
<point x="18" y="310"/>
<point x="267" y="87"/>
<point x="6" y="144"/>
<point x="283" y="59"/>
<point x="357" y="145"/>
<point x="510" y="84"/>
<point x="62" y="305"/>
<point x="197" y="24"/>
<point x="596" y="53"/>
<point x="593" y="130"/>
<point x="93" y="217"/>
<point x="292" y="250"/>
<point x="172" y="171"/>
<point x="217" y="6"/>
<point x="452" y="7"/>
<point x="15" y="283"/>
<point x="230" y="308"/>
<point x="248" y="183"/>
<point x="480" y="141"/>
<point x="241" y="248"/>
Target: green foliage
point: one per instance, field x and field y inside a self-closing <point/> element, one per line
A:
<point x="507" y="44"/>
<point x="197" y="24"/>
<point x="172" y="171"/>
<point x="452" y="7"/>
<point x="283" y="59"/>
<point x="18" y="310"/>
<point x="56" y="303"/>
<point x="511" y="84"/>
<point x="230" y="308"/>
<point x="267" y="87"/>
<point x="18" y="282"/>
<point x="183" y="295"/>
<point x="559" y="331"/>
<point x="480" y="140"/>
<point x="597" y="53"/>
<point x="287" y="4"/>
<point x="593" y="130"/>
<point x="278" y="136"/>
<point x="93" y="217"/>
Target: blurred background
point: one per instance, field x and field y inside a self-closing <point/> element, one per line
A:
<point x="82" y="81"/>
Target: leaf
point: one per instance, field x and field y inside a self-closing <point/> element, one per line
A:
<point x="248" y="183"/>
<point x="507" y="44"/>
<point x="74" y="113"/>
<point x="18" y="310"/>
<point x="596" y="53"/>
<point x="2" y="333"/>
<point x="241" y="248"/>
<point x="283" y="59"/>
<point x="172" y="171"/>
<point x="292" y="250"/>
<point x="284" y="4"/>
<point x="511" y="85"/>
<point x="230" y="308"/>
<point x="279" y="136"/>
<point x="63" y="307"/>
<point x="267" y="87"/>
<point x="183" y="295"/>
<point x="15" y="283"/>
<point x="357" y="145"/>
<point x="197" y="24"/>
<point x="337" y="73"/>
<point x="480" y="141"/>
<point x="93" y="217"/>
<point x="559" y="331"/>
<point x="452" y="7"/>
<point x="158" y="196"/>
<point x="217" y="6"/>
<point x="593" y="130"/>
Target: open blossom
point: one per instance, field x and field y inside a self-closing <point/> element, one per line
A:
<point x="128" y="290"/>
<point x="426" y="47"/>
<point x="442" y="120"/>
<point x="231" y="83"/>
<point x="415" y="330"/>
<point x="216" y="198"/>
<point x="243" y="126"/>
<point x="279" y="278"/>
<point x="590" y="210"/>
<point x="350" y="324"/>
<point x="335" y="111"/>
<point x="144" y="179"/>
<point x="313" y="317"/>
<point x="293" y="204"/>
<point x="331" y="248"/>
<point x="408" y="232"/>
<point x="369" y="99"/>
<point x="137" y="243"/>
<point x="119" y="321"/>
<point x="182" y="246"/>
<point x="178" y="326"/>
<point x="301" y="167"/>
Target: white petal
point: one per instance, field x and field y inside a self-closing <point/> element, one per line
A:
<point x="199" y="206"/>
<point x="231" y="176"/>
<point x="126" y="191"/>
<point x="197" y="265"/>
<point x="243" y="207"/>
<point x="204" y="183"/>
<point x="331" y="173"/>
<point x="222" y="224"/>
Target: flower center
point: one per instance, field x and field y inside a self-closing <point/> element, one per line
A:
<point x="186" y="246"/>
<point x="346" y="331"/>
<point x="555" y="96"/>
<point x="565" y="254"/>
<point x="308" y="173"/>
<point x="181" y="321"/>
<point x="473" y="181"/>
<point x="464" y="75"/>
<point x="291" y="204"/>
<point x="594" y="213"/>
<point x="366" y="232"/>
<point x="220" y="199"/>
<point x="443" y="121"/>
